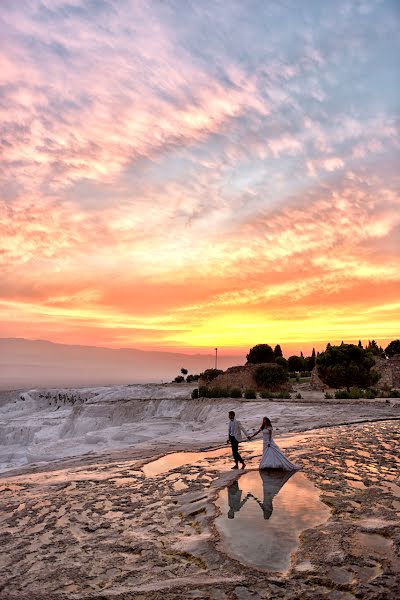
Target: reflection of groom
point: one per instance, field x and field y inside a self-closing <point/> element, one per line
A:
<point x="235" y="436"/>
<point x="235" y="499"/>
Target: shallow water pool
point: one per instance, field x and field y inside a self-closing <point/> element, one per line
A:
<point x="263" y="514"/>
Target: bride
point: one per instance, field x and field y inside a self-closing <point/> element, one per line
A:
<point x="272" y="457"/>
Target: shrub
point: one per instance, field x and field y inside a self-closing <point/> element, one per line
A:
<point x="267" y="394"/>
<point x="298" y="396"/>
<point x="179" y="379"/>
<point x="355" y="393"/>
<point x="342" y="395"/>
<point x="270" y="375"/>
<point x="328" y="396"/>
<point x="218" y="393"/>
<point x="283" y="395"/>
<point x="235" y="393"/>
<point x="250" y="394"/>
<point x="203" y="392"/>
<point x="195" y="394"/>
<point x="370" y="394"/>
<point x="394" y="394"/>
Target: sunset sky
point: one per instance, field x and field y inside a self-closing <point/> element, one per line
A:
<point x="181" y="175"/>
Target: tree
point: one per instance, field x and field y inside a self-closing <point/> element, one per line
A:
<point x="310" y="361"/>
<point x="270" y="375"/>
<point x="191" y="378"/>
<point x="360" y="344"/>
<point x="373" y="347"/>
<point x="209" y="374"/>
<point x="184" y="371"/>
<point x="262" y="353"/>
<point x="179" y="379"/>
<point x="295" y="363"/>
<point x="393" y="348"/>
<point x="277" y="351"/>
<point x="347" y="365"/>
<point x="281" y="360"/>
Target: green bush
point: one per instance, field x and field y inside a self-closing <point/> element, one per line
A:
<point x="235" y="393"/>
<point x="328" y="396"/>
<point x="195" y="394"/>
<point x="250" y="394"/>
<point x="342" y="395"/>
<point x="270" y="375"/>
<point x="218" y="393"/>
<point x="284" y="395"/>
<point x="370" y="393"/>
<point x="267" y="395"/>
<point x="394" y="394"/>
<point x="203" y="392"/>
<point x="355" y="393"/>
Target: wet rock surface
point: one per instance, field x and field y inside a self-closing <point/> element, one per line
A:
<point x="105" y="530"/>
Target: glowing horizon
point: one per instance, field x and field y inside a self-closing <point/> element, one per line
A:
<point x="181" y="177"/>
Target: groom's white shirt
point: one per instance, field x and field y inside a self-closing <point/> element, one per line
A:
<point x="236" y="427"/>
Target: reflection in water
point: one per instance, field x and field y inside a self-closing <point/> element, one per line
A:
<point x="235" y="499"/>
<point x="272" y="480"/>
<point x="266" y="538"/>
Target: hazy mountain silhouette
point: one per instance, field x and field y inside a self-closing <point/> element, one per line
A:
<point x="40" y="363"/>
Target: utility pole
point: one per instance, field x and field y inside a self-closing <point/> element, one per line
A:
<point x="216" y="357"/>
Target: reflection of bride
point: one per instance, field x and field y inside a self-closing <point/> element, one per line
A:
<point x="273" y="481"/>
<point x="272" y="457"/>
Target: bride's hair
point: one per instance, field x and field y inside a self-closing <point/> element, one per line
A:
<point x="266" y="423"/>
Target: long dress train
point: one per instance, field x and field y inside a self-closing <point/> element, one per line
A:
<point x="273" y="457"/>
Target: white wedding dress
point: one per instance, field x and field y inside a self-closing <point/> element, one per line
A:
<point x="273" y="457"/>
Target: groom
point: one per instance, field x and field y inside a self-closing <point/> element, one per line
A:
<point x="235" y="428"/>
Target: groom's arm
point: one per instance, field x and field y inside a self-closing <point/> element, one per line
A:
<point x="242" y="429"/>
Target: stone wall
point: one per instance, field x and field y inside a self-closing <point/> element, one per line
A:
<point x="242" y="377"/>
<point x="389" y="370"/>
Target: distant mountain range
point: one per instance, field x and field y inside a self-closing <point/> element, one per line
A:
<point x="40" y="363"/>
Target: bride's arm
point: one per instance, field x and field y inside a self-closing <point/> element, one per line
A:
<point x="254" y="434"/>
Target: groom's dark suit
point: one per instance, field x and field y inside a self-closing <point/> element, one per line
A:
<point x="235" y="436"/>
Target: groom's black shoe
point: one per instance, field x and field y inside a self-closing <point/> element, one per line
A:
<point x="243" y="465"/>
